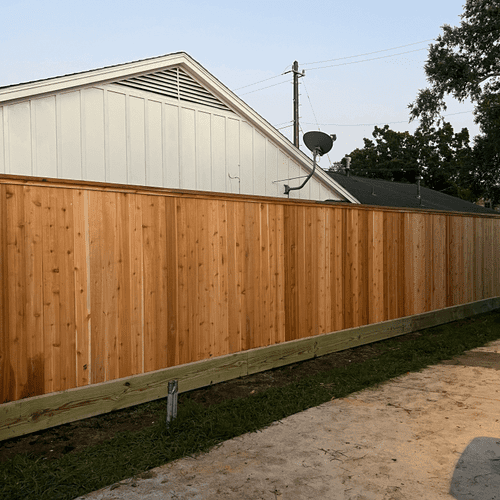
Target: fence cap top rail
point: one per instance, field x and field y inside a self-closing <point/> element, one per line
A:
<point x="10" y="179"/>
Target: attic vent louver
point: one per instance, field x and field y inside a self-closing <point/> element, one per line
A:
<point x="174" y="83"/>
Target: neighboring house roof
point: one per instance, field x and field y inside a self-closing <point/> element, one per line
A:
<point x="134" y="72"/>
<point x="397" y="194"/>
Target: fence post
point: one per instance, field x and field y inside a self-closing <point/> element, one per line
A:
<point x="172" y="400"/>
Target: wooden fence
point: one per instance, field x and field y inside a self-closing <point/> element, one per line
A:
<point x="100" y="282"/>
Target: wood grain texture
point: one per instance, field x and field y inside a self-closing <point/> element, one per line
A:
<point x="17" y="290"/>
<point x="6" y="369"/>
<point x="100" y="283"/>
<point x="376" y="290"/>
<point x="337" y="269"/>
<point x="438" y="263"/>
<point x="95" y="272"/>
<point x="170" y="247"/>
<point x="234" y="261"/>
<point x="40" y="412"/>
<point x="82" y="286"/>
<point x="290" y="265"/>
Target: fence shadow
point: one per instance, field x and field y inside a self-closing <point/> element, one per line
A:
<point x="477" y="473"/>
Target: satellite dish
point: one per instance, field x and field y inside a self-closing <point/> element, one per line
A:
<point x="319" y="142"/>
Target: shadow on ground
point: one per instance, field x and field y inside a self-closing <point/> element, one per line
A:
<point x="477" y="473"/>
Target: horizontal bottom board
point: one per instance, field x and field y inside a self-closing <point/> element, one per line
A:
<point x="41" y="412"/>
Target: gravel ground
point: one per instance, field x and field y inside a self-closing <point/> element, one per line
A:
<point x="428" y="435"/>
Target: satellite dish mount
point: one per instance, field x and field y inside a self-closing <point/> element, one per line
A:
<point x="319" y="143"/>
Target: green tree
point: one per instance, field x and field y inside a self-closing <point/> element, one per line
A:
<point x="486" y="178"/>
<point x="444" y="159"/>
<point x="391" y="156"/>
<point x="463" y="63"/>
<point x="441" y="156"/>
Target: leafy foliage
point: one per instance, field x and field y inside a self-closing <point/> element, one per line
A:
<point x="486" y="180"/>
<point x="441" y="156"/>
<point x="464" y="63"/>
<point x="391" y="156"/>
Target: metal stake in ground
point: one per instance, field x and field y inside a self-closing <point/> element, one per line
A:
<point x="172" y="400"/>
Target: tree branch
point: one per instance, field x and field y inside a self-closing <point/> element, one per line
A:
<point x="491" y="75"/>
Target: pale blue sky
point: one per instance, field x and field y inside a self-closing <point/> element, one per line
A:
<point x="244" y="42"/>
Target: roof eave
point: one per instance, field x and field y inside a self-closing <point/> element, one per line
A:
<point x="85" y="78"/>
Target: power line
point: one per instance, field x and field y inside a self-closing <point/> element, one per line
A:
<point x="317" y="124"/>
<point x="459" y="113"/>
<point x="283" y="123"/>
<point x="261" y="81"/>
<point x="322" y="67"/>
<point x="338" y="59"/>
<point x="269" y="86"/>
<point x="369" y="53"/>
<point x="355" y="124"/>
<point x="365" y="60"/>
<point x="310" y="103"/>
<point x="372" y="124"/>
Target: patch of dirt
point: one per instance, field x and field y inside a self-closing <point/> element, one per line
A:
<point x="70" y="438"/>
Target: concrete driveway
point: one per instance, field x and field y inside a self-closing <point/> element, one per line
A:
<point x="428" y="435"/>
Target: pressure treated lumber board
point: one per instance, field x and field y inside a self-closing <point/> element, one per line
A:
<point x="33" y="414"/>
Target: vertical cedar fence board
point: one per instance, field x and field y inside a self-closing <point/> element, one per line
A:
<point x="101" y="282"/>
<point x="40" y="412"/>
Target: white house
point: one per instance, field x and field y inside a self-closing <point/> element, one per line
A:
<point x="164" y="121"/>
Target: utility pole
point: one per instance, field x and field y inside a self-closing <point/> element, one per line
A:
<point x="295" y="69"/>
<point x="296" y="76"/>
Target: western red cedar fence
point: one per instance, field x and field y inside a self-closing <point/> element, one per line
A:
<point x="100" y="282"/>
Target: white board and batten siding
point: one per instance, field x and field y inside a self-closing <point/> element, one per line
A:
<point x="112" y="133"/>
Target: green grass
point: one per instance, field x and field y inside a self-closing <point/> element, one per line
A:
<point x="198" y="428"/>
